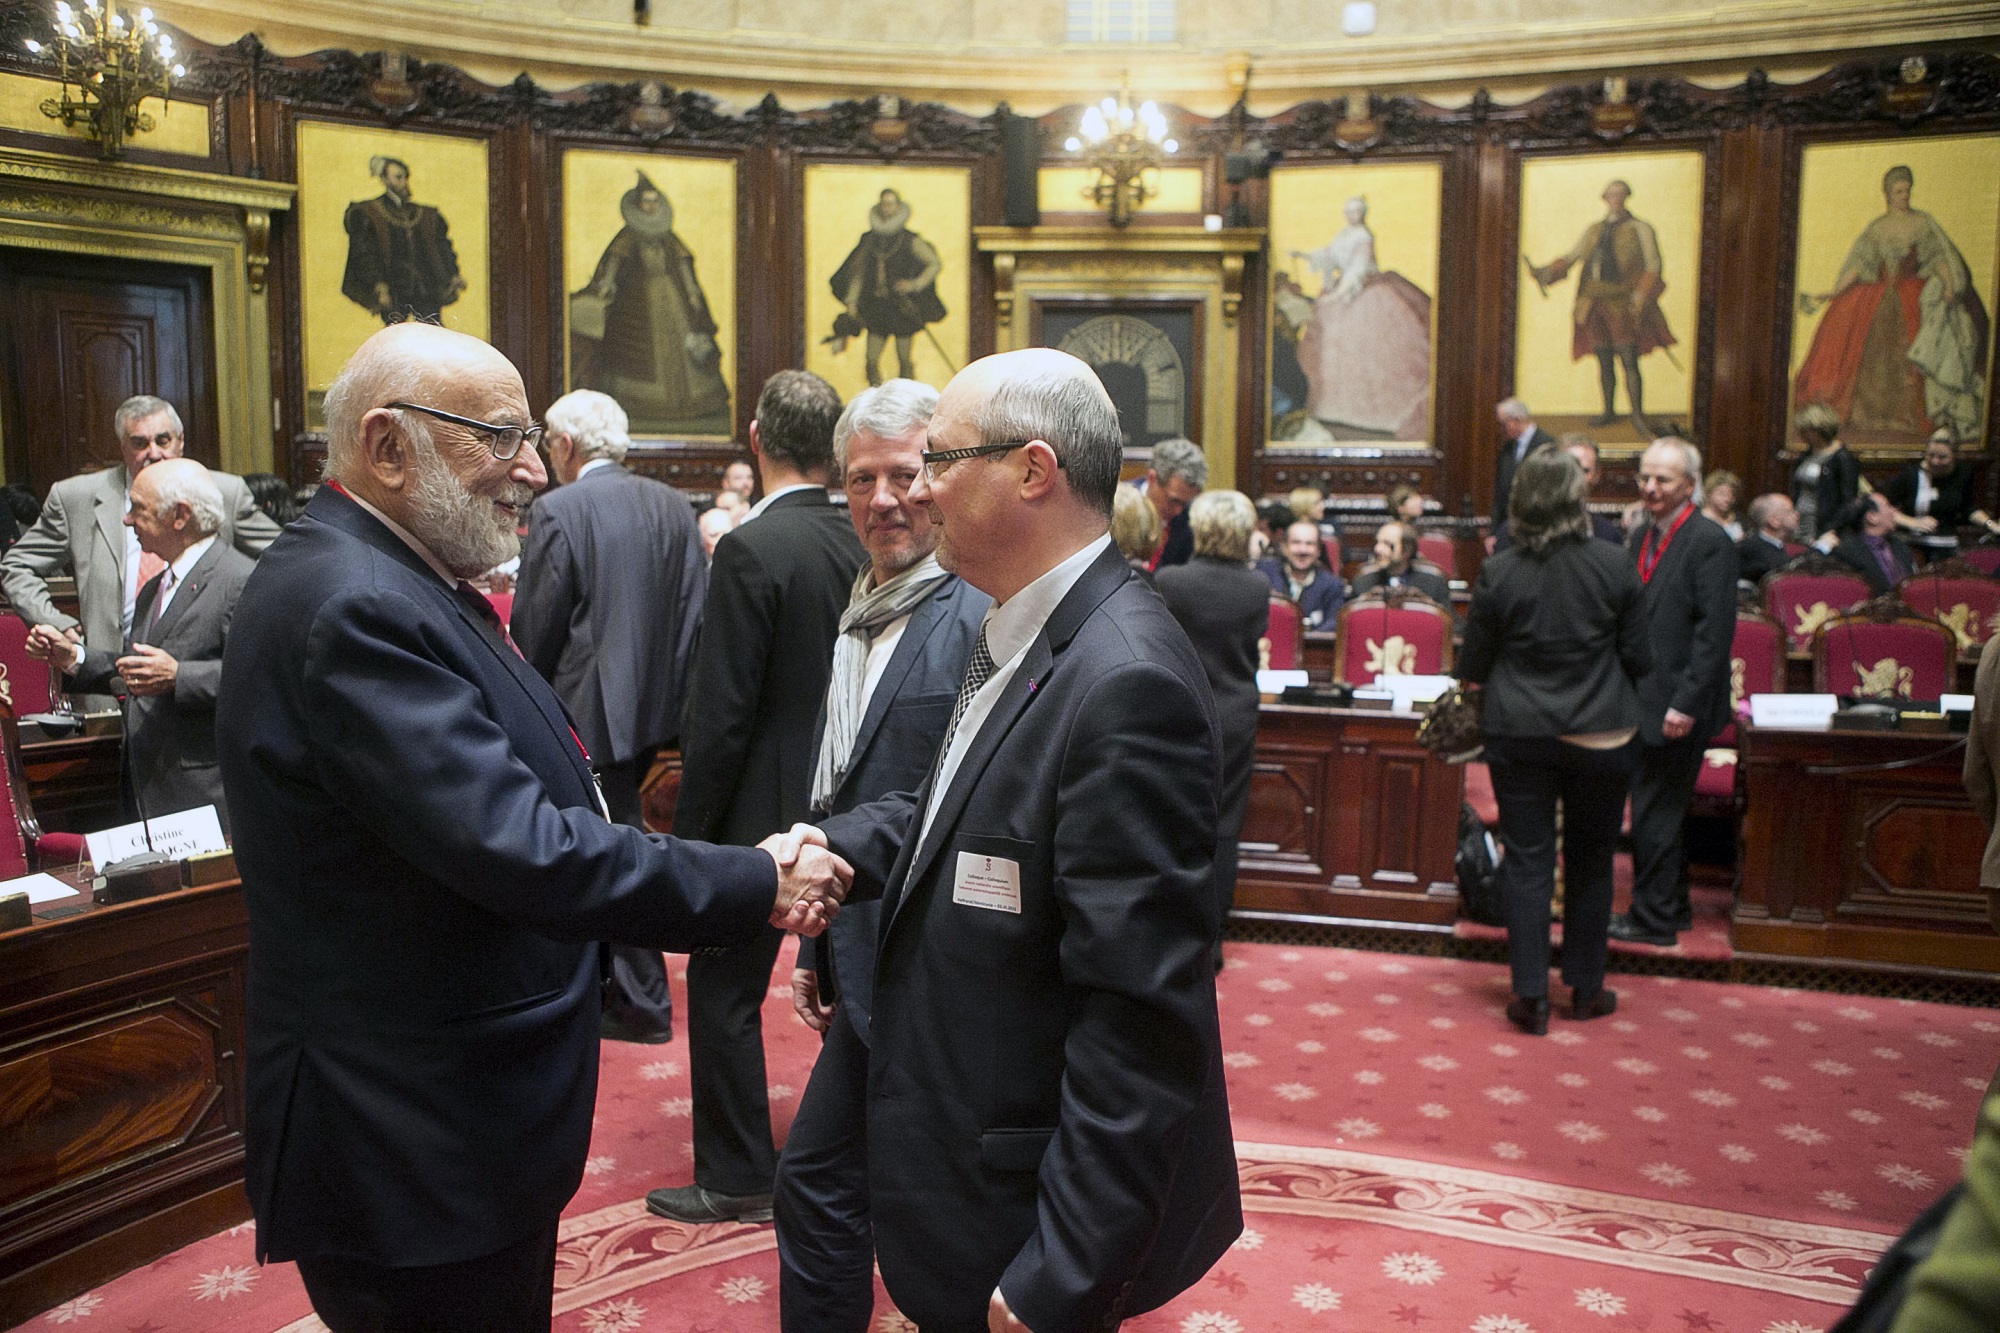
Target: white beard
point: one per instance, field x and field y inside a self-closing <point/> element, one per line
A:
<point x="463" y="530"/>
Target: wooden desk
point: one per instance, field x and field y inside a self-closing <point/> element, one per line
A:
<point x="73" y="783"/>
<point x="121" y="1089"/>
<point x="1349" y="820"/>
<point x="1877" y="867"/>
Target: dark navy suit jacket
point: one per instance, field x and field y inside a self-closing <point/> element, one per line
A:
<point x="425" y="866"/>
<point x="893" y="752"/>
<point x="1689" y="611"/>
<point x="1046" y="1109"/>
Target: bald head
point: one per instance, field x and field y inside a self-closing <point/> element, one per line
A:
<point x="175" y="503"/>
<point x="1038" y="393"/>
<point x="412" y="363"/>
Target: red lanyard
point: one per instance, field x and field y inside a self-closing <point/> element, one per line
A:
<point x="1650" y="554"/>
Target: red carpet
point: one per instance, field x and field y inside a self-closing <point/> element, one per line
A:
<point x="1717" y="1158"/>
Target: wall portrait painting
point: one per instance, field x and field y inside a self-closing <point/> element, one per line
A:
<point x="649" y="276"/>
<point x="1354" y="266"/>
<point x="392" y="226"/>
<point x="888" y="273"/>
<point x="1607" y="293"/>
<point x="1894" y="286"/>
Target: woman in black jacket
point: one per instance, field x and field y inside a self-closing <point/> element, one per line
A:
<point x="1826" y="482"/>
<point x="1933" y="497"/>
<point x="1225" y="607"/>
<point x="1554" y="637"/>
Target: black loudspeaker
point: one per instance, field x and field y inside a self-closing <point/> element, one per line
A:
<point x="1021" y="151"/>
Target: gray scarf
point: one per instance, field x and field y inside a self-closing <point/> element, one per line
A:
<point x="868" y="611"/>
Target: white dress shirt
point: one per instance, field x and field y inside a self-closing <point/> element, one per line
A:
<point x="757" y="510"/>
<point x="1009" y="628"/>
<point x="176" y="574"/>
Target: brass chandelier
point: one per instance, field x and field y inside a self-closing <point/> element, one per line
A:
<point x="1122" y="143"/>
<point x="113" y="65"/>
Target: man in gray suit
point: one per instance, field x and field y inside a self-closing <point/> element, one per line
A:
<point x="81" y="532"/>
<point x="904" y="641"/>
<point x="172" y="659"/>
<point x="606" y="608"/>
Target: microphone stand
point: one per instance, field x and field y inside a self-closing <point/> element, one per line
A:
<point x="149" y="872"/>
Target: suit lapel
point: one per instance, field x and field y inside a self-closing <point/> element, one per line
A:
<point x="186" y="595"/>
<point x="110" y="507"/>
<point x="924" y="621"/>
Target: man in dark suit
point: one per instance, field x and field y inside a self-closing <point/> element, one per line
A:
<point x="1584" y="450"/>
<point x="1774" y="522"/>
<point x="606" y="607"/>
<point x="1872" y="548"/>
<point x="79" y="534"/>
<point x="425" y="861"/>
<point x="1522" y="437"/>
<point x="173" y="657"/>
<point x="775" y="595"/>
<point x="1048" y="1133"/>
<point x="905" y="636"/>
<point x="1395" y="566"/>
<point x="1174" y="477"/>
<point x="1299" y="576"/>
<point x="1687" y="565"/>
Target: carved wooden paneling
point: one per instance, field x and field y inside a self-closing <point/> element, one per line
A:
<point x="1914" y="856"/>
<point x="1282" y="821"/>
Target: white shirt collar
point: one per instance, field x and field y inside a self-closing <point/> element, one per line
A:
<point x="191" y="557"/>
<point x="407" y="538"/>
<point x="1013" y="625"/>
<point x="765" y="503"/>
<point x="592" y="466"/>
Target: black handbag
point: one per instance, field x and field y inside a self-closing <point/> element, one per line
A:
<point x="1450" y="729"/>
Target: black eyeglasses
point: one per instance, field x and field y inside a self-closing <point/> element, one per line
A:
<point x="935" y="463"/>
<point x="504" y="441"/>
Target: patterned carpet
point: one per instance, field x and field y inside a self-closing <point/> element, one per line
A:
<point x="1718" y="1158"/>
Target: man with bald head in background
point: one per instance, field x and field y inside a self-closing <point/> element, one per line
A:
<point x="426" y="861"/>
<point x="1048" y="1133"/>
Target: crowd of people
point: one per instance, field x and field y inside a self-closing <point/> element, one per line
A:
<point x="1009" y="915"/>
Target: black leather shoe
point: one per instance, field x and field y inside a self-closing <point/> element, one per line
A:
<point x="1584" y="1005"/>
<point x="617" y="1029"/>
<point x="1624" y="928"/>
<point x="1530" y="1014"/>
<point x="692" y="1203"/>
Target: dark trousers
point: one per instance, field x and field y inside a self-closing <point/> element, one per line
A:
<point x="1660" y="795"/>
<point x="509" y="1291"/>
<point x="1529" y="776"/>
<point x="725" y="1024"/>
<point x="826" y="1248"/>
<point x="635" y="990"/>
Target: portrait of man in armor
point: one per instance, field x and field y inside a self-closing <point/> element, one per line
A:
<point x="400" y="260"/>
<point x="641" y="329"/>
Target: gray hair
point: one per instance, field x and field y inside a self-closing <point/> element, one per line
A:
<point x="140" y="406"/>
<point x="1513" y="409"/>
<point x="1072" y="415"/>
<point x="1690" y="459"/>
<point x="1222" y="522"/>
<point x="594" y="423"/>
<point x="888" y="410"/>
<point x="197" y="490"/>
<point x="1181" y="458"/>
<point x="1545" y="506"/>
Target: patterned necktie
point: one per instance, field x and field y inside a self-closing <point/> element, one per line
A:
<point x="977" y="671"/>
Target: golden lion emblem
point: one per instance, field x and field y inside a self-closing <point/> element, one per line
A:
<point x="1394" y="658"/>
<point x="1962" y="621"/>
<point x="1887" y="679"/>
<point x="1810" y="618"/>
<point x="1738" y="669"/>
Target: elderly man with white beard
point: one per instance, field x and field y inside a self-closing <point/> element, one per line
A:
<point x="427" y="867"/>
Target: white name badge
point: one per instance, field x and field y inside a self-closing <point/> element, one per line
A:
<point x="188" y="833"/>
<point x="991" y="882"/>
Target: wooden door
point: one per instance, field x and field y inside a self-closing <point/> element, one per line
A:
<point x="79" y="335"/>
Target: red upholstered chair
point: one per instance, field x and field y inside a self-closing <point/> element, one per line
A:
<point x="24" y="682"/>
<point x="1881" y="651"/>
<point x="1756" y="664"/>
<point x="1437" y="547"/>
<point x="1957" y="596"/>
<point x="1283" y="647"/>
<point x="1985" y="559"/>
<point x="23" y="845"/>
<point x="1392" y="632"/>
<point x="1809" y="592"/>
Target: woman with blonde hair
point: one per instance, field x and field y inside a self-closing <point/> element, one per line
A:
<point x="1135" y="529"/>
<point x="1722" y="495"/>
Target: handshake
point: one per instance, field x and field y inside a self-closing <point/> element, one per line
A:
<point x="811" y="880"/>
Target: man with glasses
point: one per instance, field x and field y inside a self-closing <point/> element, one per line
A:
<point x="82" y="531"/>
<point x="426" y="862"/>
<point x="904" y="641"/>
<point x="1048" y="1133"/>
<point x="776" y="591"/>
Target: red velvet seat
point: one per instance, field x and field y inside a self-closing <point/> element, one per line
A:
<point x="1957" y="596"/>
<point x="1437" y="547"/>
<point x="23" y="845"/>
<point x="24" y="682"/>
<point x="1396" y="632"/>
<point x="1756" y="665"/>
<point x="1283" y="645"/>
<point x="1807" y="594"/>
<point x="1985" y="559"/>
<point x="1882" y="652"/>
<point x="1715" y="784"/>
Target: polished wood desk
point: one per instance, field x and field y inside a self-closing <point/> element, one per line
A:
<point x="121" y="1088"/>
<point x="73" y="783"/>
<point x="1350" y="822"/>
<point x="1876" y="866"/>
